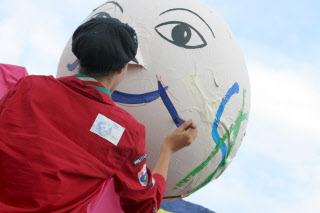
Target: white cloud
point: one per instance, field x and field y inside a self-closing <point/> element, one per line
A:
<point x="32" y="36"/>
<point x="10" y="43"/>
<point x="236" y="192"/>
<point x="286" y="97"/>
<point x="285" y="113"/>
<point x="310" y="205"/>
<point x="247" y="188"/>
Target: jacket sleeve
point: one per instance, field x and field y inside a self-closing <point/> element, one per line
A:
<point x="139" y="190"/>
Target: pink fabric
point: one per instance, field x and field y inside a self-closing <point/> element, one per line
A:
<point x="9" y="75"/>
<point x="106" y="201"/>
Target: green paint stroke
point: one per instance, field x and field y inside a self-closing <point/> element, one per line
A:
<point x="233" y="128"/>
<point x="204" y="164"/>
<point x="236" y="127"/>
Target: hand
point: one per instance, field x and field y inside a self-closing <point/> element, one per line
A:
<point x="181" y="137"/>
<point x="176" y="140"/>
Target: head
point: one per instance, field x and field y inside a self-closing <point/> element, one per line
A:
<point x="104" y="46"/>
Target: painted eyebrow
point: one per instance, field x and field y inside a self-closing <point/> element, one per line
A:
<point x="190" y="11"/>
<point x="111" y="2"/>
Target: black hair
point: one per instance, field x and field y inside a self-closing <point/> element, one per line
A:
<point x="96" y="72"/>
<point x="104" y="46"/>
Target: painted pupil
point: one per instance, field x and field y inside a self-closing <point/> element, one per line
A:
<point x="102" y="15"/>
<point x="181" y="34"/>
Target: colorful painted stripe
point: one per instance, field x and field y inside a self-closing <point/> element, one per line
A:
<point x="93" y="83"/>
<point x="215" y="135"/>
<point x="235" y="127"/>
<point x="219" y="142"/>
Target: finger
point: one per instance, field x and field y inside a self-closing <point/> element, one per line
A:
<point x="192" y="125"/>
<point x="185" y="125"/>
<point x="192" y="132"/>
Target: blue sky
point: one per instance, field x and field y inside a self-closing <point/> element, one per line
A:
<point x="277" y="167"/>
<point x="290" y="27"/>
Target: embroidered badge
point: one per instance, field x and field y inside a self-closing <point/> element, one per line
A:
<point x="152" y="183"/>
<point x="139" y="160"/>
<point x="107" y="129"/>
<point x="143" y="176"/>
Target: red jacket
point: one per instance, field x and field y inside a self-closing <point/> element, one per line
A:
<point x="53" y="157"/>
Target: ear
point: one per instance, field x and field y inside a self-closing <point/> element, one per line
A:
<point x="120" y="71"/>
<point x="78" y="60"/>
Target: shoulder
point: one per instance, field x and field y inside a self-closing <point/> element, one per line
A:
<point x="132" y="124"/>
<point x="134" y="130"/>
<point x="33" y="82"/>
<point x="37" y="80"/>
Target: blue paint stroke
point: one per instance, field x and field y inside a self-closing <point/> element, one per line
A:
<point x="167" y="102"/>
<point x="73" y="66"/>
<point x="126" y="98"/>
<point x="215" y="135"/>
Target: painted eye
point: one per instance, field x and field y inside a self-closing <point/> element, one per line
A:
<point x="101" y="15"/>
<point x="181" y="34"/>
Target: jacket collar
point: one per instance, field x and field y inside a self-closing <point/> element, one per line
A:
<point x="89" y="87"/>
<point x="92" y="82"/>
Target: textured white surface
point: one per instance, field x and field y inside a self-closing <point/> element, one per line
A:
<point x="198" y="80"/>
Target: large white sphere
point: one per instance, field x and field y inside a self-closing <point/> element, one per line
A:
<point x="192" y="50"/>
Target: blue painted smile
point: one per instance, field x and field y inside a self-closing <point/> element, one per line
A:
<point x="126" y="98"/>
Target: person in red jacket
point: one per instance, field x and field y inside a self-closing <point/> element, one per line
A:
<point x="61" y="139"/>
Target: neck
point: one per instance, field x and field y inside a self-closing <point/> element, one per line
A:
<point x="108" y="82"/>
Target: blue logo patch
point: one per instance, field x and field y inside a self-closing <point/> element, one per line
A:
<point x="143" y="176"/>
